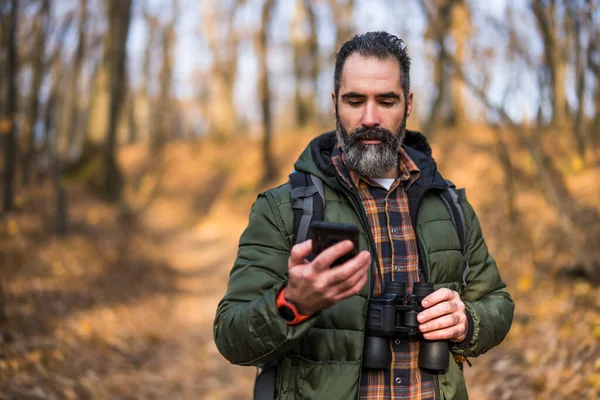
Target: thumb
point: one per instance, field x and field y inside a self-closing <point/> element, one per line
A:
<point x="299" y="253"/>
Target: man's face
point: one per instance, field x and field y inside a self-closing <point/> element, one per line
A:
<point x="371" y="112"/>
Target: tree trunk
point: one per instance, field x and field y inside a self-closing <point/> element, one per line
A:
<point x="306" y="65"/>
<point x="298" y="44"/>
<point x="37" y="66"/>
<point x="97" y="118"/>
<point x="54" y="137"/>
<point x="302" y="113"/>
<point x="503" y="154"/>
<point x="439" y="17"/>
<point x="61" y="211"/>
<point x="145" y="105"/>
<point x="595" y="125"/>
<point x="163" y="115"/>
<point x="554" y="59"/>
<point x="265" y="93"/>
<point x="460" y="31"/>
<point x="8" y="126"/>
<point x="132" y="127"/>
<point x="438" y="76"/>
<point x="593" y="60"/>
<point x="344" y="26"/>
<point x="73" y="121"/>
<point x="580" y="72"/>
<point x="119" y="16"/>
<point x="313" y="50"/>
<point x="221" y="107"/>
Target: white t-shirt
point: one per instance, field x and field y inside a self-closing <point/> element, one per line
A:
<point x="385" y="182"/>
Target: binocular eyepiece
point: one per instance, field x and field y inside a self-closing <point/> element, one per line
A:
<point x="394" y="313"/>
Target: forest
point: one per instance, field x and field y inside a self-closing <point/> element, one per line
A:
<point x="135" y="136"/>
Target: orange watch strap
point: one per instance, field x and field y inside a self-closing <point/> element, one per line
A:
<point x="282" y="301"/>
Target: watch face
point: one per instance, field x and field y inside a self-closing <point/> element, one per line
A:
<point x="286" y="313"/>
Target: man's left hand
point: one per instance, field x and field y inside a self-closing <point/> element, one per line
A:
<point x="444" y="316"/>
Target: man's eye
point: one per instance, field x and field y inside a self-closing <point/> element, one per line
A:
<point x="355" y="103"/>
<point x="387" y="103"/>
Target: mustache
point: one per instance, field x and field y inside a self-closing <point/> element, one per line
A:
<point x="377" y="133"/>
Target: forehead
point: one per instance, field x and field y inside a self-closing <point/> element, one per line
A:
<point x="370" y="75"/>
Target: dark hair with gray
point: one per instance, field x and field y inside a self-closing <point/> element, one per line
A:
<point x="374" y="44"/>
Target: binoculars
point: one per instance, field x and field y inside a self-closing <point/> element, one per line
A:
<point x="394" y="313"/>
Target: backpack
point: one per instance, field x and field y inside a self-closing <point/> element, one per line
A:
<point x="308" y="203"/>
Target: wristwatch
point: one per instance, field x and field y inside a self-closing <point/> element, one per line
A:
<point x="288" y="310"/>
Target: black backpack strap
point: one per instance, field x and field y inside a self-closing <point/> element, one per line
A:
<point x="307" y="203"/>
<point x="266" y="379"/>
<point x="452" y="202"/>
<point x="307" y="197"/>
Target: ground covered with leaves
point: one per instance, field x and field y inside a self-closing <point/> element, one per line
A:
<point x="122" y="307"/>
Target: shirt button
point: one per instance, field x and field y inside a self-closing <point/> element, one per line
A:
<point x="398" y="342"/>
<point x="398" y="380"/>
<point x="397" y="268"/>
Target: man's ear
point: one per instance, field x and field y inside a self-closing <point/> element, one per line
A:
<point x="333" y="101"/>
<point x="409" y="103"/>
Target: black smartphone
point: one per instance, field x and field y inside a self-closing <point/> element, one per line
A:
<point x="326" y="234"/>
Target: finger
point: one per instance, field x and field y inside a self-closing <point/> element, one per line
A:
<point x="437" y="297"/>
<point x="446" y="321"/>
<point x="440" y="309"/>
<point x="455" y="332"/>
<point x="353" y="271"/>
<point x="299" y="253"/>
<point x="324" y="260"/>
<point x="354" y="290"/>
<point x="342" y="273"/>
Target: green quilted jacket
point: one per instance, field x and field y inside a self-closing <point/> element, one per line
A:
<point x="321" y="357"/>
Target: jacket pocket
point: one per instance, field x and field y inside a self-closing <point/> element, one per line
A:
<point x="303" y="379"/>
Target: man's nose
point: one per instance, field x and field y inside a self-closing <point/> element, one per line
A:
<point x="370" y="117"/>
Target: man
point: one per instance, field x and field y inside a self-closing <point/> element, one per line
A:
<point x="381" y="178"/>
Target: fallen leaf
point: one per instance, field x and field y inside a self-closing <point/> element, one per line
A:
<point x="12" y="228"/>
<point x="582" y="288"/>
<point x="594" y="380"/>
<point x="34" y="356"/>
<point x="524" y="284"/>
<point x="577" y="164"/>
<point x="86" y="328"/>
<point x="19" y="201"/>
<point x="93" y="216"/>
<point x="596" y="331"/>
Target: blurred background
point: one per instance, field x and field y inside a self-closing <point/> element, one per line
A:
<point x="136" y="135"/>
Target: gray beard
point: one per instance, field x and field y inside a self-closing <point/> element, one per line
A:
<point x="371" y="160"/>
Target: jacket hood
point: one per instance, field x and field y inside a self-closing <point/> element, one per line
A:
<point x="316" y="158"/>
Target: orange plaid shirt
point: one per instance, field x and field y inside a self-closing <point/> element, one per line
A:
<point x="397" y="253"/>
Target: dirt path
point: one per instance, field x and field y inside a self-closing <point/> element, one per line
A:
<point x="114" y="313"/>
<point x="202" y="258"/>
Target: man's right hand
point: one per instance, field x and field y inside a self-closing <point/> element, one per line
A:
<point x="314" y="286"/>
